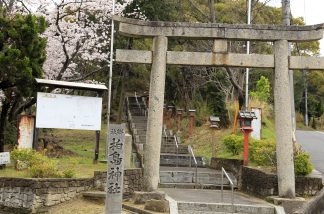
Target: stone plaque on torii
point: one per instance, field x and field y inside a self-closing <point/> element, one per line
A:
<point x="220" y="56"/>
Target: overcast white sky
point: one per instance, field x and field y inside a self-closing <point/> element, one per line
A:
<point x="311" y="10"/>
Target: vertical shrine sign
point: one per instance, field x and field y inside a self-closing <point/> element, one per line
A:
<point x="115" y="171"/>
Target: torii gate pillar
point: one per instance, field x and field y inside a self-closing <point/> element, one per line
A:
<point x="155" y="114"/>
<point x="220" y="56"/>
<point x="284" y="148"/>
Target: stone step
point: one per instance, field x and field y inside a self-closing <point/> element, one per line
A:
<point x="172" y="148"/>
<point x="190" y="177"/>
<point x="139" y="118"/>
<point x="194" y="186"/>
<point x="199" y="208"/>
<point x="139" y="132"/>
<point x="140" y="125"/>
<point x="168" y="159"/>
<point x="205" y="212"/>
<point x="95" y="196"/>
<point x="140" y="138"/>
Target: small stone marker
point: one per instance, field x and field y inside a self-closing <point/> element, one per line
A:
<point x="115" y="171"/>
<point x="4" y="158"/>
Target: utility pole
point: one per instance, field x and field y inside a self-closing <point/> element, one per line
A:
<point x="247" y="73"/>
<point x="107" y="209"/>
<point x="286" y="15"/>
<point x="306" y="97"/>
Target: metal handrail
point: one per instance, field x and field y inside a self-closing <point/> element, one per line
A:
<point x="193" y="155"/>
<point x="177" y="146"/>
<point x="145" y="106"/>
<point x="165" y="135"/>
<point x="232" y="187"/>
<point x="138" y="104"/>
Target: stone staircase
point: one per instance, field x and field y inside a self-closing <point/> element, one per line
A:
<point x="137" y="120"/>
<point x="177" y="165"/>
<point x="218" y="208"/>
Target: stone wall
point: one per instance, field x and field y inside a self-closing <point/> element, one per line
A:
<point x="31" y="195"/>
<point x="133" y="181"/>
<point x="264" y="184"/>
<point x="315" y="205"/>
<point x="231" y="165"/>
<point x="34" y="195"/>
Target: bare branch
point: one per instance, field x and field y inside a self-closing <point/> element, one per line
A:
<point x="198" y="9"/>
<point x="87" y="75"/>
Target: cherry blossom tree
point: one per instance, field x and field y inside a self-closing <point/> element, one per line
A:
<point x="78" y="34"/>
<point x="78" y="39"/>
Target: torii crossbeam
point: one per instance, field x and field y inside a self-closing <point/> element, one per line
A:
<point x="280" y="61"/>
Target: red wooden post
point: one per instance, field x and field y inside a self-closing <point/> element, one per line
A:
<point x="179" y="113"/>
<point x="246" y="149"/>
<point x="192" y="118"/>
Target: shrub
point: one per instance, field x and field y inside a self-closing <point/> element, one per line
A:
<point x="22" y="158"/>
<point x="233" y="144"/>
<point x="69" y="173"/>
<point x="263" y="152"/>
<point x="37" y="164"/>
<point x="45" y="169"/>
<point x="303" y="165"/>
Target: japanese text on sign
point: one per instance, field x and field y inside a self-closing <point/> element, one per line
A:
<point x="4" y="158"/>
<point x="115" y="171"/>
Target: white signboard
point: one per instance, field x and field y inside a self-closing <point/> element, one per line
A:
<point x="115" y="169"/>
<point x="257" y="124"/>
<point x="26" y="132"/>
<point x="68" y="112"/>
<point x="4" y="158"/>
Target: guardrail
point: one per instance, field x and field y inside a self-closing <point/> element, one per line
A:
<point x="194" y="158"/>
<point x="232" y="187"/>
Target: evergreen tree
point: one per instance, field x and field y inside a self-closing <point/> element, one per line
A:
<point x="22" y="54"/>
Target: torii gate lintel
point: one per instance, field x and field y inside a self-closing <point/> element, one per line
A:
<point x="159" y="57"/>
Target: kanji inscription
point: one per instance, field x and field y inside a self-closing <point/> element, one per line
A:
<point x="115" y="168"/>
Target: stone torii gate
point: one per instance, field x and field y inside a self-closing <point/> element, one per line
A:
<point x="280" y="61"/>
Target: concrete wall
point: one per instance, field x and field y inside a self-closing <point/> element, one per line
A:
<point x="264" y="184"/>
<point x="31" y="195"/>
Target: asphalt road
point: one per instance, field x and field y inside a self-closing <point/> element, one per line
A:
<point x="313" y="143"/>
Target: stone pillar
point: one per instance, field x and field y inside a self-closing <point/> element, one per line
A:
<point x="128" y="152"/>
<point x="285" y="159"/>
<point x="155" y="113"/>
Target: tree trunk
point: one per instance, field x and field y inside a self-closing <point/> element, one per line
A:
<point x="3" y="122"/>
<point x="211" y="4"/>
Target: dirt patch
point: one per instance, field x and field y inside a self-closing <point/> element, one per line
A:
<point x="79" y="206"/>
<point x="54" y="150"/>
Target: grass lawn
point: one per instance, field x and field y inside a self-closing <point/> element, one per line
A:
<point x="80" y="144"/>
